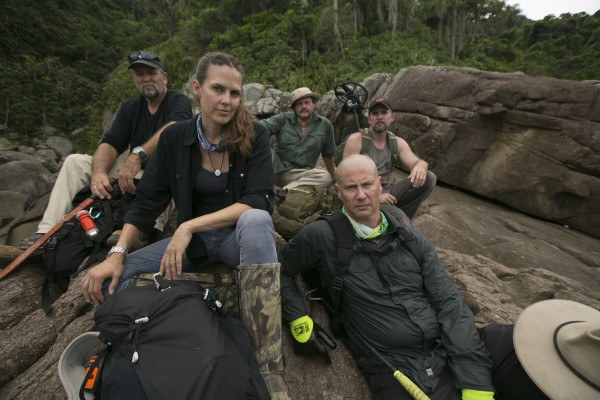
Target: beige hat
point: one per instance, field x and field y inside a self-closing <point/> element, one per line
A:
<point x="301" y="93"/>
<point x="558" y="344"/>
<point x="70" y="365"/>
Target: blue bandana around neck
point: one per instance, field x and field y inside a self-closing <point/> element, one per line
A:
<point x="363" y="231"/>
<point x="204" y="142"/>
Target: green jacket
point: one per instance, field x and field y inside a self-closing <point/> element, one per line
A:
<point x="413" y="314"/>
<point x="292" y="149"/>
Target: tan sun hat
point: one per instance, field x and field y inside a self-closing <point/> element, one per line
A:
<point x="301" y="93"/>
<point x="558" y="344"/>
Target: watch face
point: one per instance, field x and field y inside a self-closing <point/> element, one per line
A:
<point x="140" y="152"/>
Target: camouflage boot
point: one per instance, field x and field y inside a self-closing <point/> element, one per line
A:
<point x="259" y="299"/>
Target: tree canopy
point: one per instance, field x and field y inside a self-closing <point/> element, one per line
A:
<point x="64" y="62"/>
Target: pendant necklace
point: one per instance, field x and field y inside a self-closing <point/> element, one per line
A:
<point x="217" y="171"/>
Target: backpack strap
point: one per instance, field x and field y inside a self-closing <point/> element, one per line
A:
<point x="393" y="143"/>
<point x="50" y="259"/>
<point x="92" y="380"/>
<point x="394" y="146"/>
<point x="408" y="240"/>
<point x="366" y="141"/>
<point x="344" y="235"/>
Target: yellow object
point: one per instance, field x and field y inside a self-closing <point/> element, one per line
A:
<point x="468" y="394"/>
<point x="302" y="328"/>
<point x="410" y="386"/>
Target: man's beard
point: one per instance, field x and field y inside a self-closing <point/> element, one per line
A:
<point x="304" y="117"/>
<point x="379" y="128"/>
<point x="152" y="94"/>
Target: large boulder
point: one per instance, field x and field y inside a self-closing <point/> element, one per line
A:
<point x="530" y="143"/>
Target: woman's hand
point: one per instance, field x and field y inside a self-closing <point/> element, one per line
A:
<point x="91" y="284"/>
<point x="172" y="261"/>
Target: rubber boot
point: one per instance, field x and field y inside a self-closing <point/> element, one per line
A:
<point x="259" y="299"/>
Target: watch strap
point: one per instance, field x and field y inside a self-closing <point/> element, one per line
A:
<point x="139" y="151"/>
<point x="117" y="249"/>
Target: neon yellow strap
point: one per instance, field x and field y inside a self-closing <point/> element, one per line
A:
<point x="302" y="328"/>
<point x="468" y="394"/>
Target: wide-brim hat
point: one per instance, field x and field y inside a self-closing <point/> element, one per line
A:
<point x="303" y="92"/>
<point x="70" y="365"/>
<point x="558" y="344"/>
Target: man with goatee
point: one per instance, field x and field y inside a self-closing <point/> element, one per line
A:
<point x="136" y="127"/>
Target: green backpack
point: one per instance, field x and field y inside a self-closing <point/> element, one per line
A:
<point x="366" y="147"/>
<point x="302" y="205"/>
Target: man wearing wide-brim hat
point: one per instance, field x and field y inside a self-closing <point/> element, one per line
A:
<point x="302" y="135"/>
<point x="558" y="345"/>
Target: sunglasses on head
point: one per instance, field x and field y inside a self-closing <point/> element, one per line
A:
<point x="142" y="55"/>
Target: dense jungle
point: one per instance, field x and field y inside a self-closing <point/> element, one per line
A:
<point x="63" y="63"/>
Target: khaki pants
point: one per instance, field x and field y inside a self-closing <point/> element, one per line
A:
<point x="74" y="175"/>
<point x="298" y="176"/>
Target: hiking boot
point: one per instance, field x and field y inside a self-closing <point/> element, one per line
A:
<point x="28" y="241"/>
<point x="259" y="299"/>
<point x="9" y="253"/>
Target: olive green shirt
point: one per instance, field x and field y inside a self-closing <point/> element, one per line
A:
<point x="294" y="150"/>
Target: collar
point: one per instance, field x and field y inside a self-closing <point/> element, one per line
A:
<point x="189" y="135"/>
<point x="365" y="232"/>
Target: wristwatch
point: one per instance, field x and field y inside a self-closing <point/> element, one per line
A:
<point x="138" y="151"/>
<point x="117" y="249"/>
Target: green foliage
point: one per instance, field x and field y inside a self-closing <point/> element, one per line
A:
<point x="64" y="63"/>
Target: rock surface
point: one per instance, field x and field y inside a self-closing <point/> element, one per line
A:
<point x="506" y="259"/>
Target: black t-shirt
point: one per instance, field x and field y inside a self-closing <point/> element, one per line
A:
<point x="134" y="125"/>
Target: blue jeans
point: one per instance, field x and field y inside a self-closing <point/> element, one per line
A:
<point x="252" y="241"/>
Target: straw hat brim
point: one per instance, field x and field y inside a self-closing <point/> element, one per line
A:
<point x="534" y="345"/>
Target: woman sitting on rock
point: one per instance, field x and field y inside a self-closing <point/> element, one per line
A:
<point x="217" y="167"/>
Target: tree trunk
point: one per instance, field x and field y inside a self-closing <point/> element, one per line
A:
<point x="441" y="5"/>
<point x="380" y="15"/>
<point x="462" y="30"/>
<point x="453" y="31"/>
<point x="393" y="15"/>
<point x="412" y="5"/>
<point x="336" y="28"/>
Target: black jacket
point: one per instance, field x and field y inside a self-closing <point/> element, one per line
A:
<point x="411" y="312"/>
<point x="169" y="175"/>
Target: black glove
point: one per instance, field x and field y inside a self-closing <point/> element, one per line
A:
<point x="309" y="338"/>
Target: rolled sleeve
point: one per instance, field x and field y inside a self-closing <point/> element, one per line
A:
<point x="152" y="194"/>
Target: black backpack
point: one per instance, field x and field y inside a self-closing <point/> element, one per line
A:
<point x="345" y="239"/>
<point x="177" y="347"/>
<point x="66" y="250"/>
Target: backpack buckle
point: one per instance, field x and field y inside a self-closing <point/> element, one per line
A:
<point x="51" y="243"/>
<point x="337" y="283"/>
<point x="211" y="301"/>
<point x="160" y="282"/>
<point x="310" y="298"/>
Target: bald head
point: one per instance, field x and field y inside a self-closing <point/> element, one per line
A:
<point x="359" y="186"/>
<point x="355" y="161"/>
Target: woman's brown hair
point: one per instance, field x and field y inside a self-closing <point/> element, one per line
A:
<point x="239" y="132"/>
